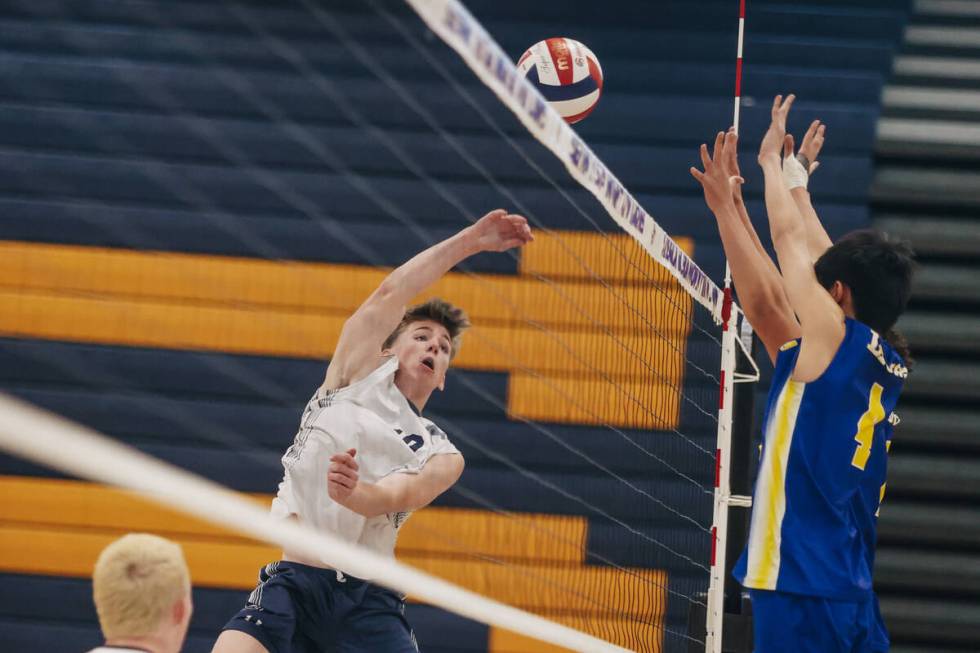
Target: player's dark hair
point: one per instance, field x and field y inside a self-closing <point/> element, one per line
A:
<point x="878" y="270"/>
<point x="439" y="311"/>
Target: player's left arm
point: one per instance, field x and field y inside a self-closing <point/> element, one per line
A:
<point x="398" y="492"/>
<point x="821" y="319"/>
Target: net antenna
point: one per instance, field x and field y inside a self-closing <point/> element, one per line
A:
<point x="732" y="336"/>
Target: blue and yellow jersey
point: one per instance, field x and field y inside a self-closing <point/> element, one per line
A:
<point x="822" y="473"/>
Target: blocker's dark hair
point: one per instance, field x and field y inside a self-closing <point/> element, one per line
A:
<point x="878" y="269"/>
<point x="437" y="310"/>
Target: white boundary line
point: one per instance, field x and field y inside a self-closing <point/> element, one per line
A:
<point x="50" y="440"/>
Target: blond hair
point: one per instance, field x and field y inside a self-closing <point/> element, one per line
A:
<point x="439" y="311"/>
<point x="137" y="580"/>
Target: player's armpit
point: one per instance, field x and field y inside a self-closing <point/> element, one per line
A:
<point x="775" y="324"/>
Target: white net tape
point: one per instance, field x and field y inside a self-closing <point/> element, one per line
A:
<point x="45" y="438"/>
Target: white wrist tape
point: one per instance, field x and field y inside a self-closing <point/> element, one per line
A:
<point x="794" y="174"/>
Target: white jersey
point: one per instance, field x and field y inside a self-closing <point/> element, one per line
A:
<point x="374" y="417"/>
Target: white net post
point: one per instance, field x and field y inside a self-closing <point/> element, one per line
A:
<point x="719" y="530"/>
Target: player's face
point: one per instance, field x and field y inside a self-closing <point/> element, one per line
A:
<point x="423" y="351"/>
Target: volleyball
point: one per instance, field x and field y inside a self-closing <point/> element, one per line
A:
<point x="566" y="73"/>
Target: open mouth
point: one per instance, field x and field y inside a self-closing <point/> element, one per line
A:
<point x="429" y="362"/>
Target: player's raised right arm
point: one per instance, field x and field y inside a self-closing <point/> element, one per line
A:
<point x="359" y="346"/>
<point x="821" y="319"/>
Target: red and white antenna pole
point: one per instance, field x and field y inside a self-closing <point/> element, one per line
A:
<point x="719" y="529"/>
<point x="738" y="63"/>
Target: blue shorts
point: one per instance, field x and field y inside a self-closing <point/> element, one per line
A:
<point x="811" y="624"/>
<point x="301" y="609"/>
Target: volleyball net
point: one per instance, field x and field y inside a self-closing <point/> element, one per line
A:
<point x="197" y="195"/>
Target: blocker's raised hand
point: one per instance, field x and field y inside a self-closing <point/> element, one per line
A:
<point x="499" y="231"/>
<point x="717" y="180"/>
<point x="773" y="141"/>
<point x="730" y="161"/>
<point x="813" y="142"/>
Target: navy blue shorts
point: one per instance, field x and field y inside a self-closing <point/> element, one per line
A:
<point x="811" y="624"/>
<point x="301" y="609"/>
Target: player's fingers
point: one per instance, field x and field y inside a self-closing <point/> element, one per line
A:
<point x="496" y="214"/>
<point x="814" y="166"/>
<point x="731" y="150"/>
<point x="341" y="480"/>
<point x="736" y="180"/>
<point x="515" y="221"/>
<point x="345" y="460"/>
<point x="787" y="105"/>
<point x="705" y="158"/>
<point x="788" y="145"/>
<point x="777" y="101"/>
<point x="519" y="232"/>
<point x="811" y="131"/>
<point x="697" y="174"/>
<point x="344" y="471"/>
<point x="719" y="146"/>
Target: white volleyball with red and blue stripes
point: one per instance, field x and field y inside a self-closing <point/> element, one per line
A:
<point x="566" y="73"/>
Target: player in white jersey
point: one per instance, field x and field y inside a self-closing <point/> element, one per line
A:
<point x="364" y="458"/>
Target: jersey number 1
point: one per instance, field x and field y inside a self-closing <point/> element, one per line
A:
<point x="866" y="427"/>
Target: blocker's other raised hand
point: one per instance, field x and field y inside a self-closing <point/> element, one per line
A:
<point x="813" y="142"/>
<point x="720" y="179"/>
<point x="773" y="141"/>
<point x="730" y="161"/>
<point x="499" y="231"/>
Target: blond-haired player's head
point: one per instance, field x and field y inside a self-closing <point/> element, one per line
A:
<point x="142" y="591"/>
<point x="426" y="340"/>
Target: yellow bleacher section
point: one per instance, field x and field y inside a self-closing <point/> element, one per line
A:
<point x="286" y="308"/>
<point x="58" y="527"/>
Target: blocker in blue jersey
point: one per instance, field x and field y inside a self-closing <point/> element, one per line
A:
<point x="826" y="317"/>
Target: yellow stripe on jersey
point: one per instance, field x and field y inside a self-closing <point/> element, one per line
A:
<point x="866" y="427"/>
<point x="769" y="507"/>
